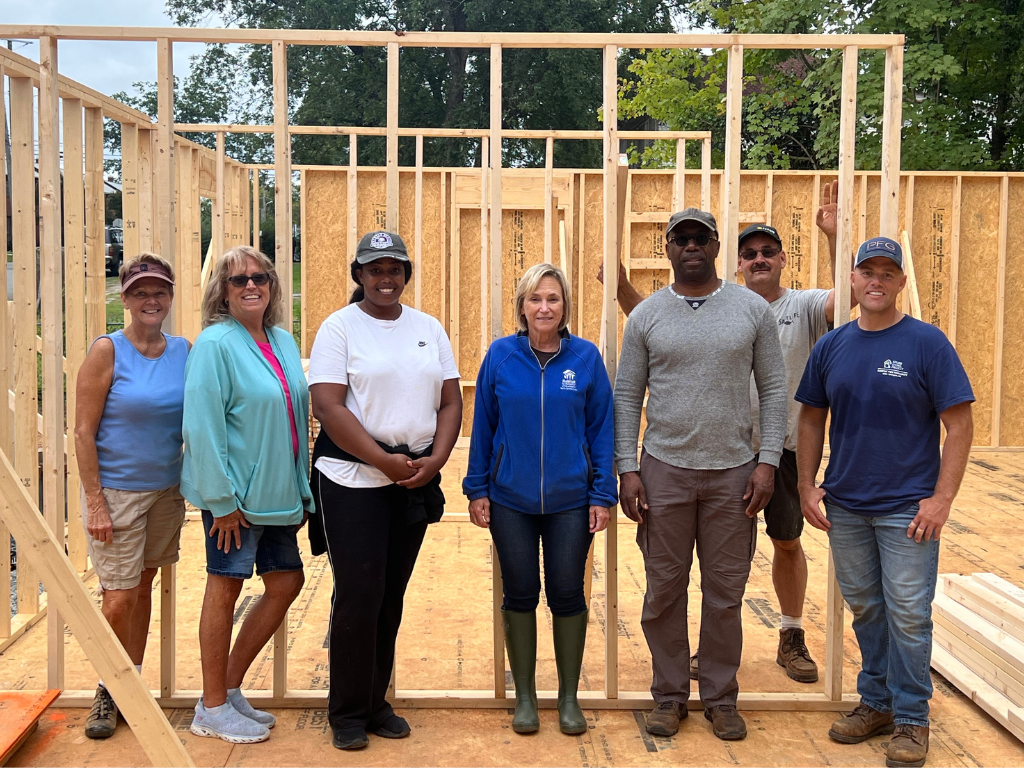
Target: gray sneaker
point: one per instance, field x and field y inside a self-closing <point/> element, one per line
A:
<point x="102" y="718"/>
<point x="243" y="707"/>
<point x="228" y="725"/>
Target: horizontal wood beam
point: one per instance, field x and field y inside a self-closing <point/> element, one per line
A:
<point x="485" y="699"/>
<point x="445" y="39"/>
<point x="444" y="133"/>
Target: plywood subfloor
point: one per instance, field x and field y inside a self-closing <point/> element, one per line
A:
<point x="446" y="644"/>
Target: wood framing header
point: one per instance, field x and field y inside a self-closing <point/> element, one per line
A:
<point x="446" y="39"/>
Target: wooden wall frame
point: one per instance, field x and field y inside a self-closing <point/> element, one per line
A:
<point x="169" y="183"/>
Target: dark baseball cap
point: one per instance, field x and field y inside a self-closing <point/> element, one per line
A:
<point x="880" y="246"/>
<point x="381" y="245"/>
<point x="142" y="270"/>
<point x="760" y="229"/>
<point x="692" y="214"/>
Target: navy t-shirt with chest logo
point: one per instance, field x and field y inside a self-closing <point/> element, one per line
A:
<point x="885" y="390"/>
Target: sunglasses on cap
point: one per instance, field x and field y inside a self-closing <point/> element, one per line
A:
<point x="682" y="240"/>
<point x="751" y="253"/>
<point x="258" y="278"/>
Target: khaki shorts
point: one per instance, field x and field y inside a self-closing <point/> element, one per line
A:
<point x="147" y="532"/>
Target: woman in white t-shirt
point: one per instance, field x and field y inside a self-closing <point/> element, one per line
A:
<point x="385" y="390"/>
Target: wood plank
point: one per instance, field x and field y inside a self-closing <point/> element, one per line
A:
<point x="705" y="175"/>
<point x="163" y="147"/>
<point x="1001" y="587"/>
<point x="20" y="710"/>
<point x="1003" y="645"/>
<point x="497" y="627"/>
<point x="26" y="371"/>
<point x="484" y="242"/>
<point x="145" y="187"/>
<point x="66" y="592"/>
<point x="990" y="605"/>
<point x="168" y="629"/>
<point x="847" y="136"/>
<point x="417" y="239"/>
<point x="305" y="343"/>
<point x="75" y="323"/>
<point x="549" y="153"/>
<point x="392" y="139"/>
<point x="353" y="205"/>
<point x="992" y="674"/>
<point x="95" y="284"/>
<point x="219" y="202"/>
<point x="892" y="122"/>
<point x="130" y="189"/>
<point x="282" y="182"/>
<point x="814" y="235"/>
<point x="976" y="689"/>
<point x="6" y="351"/>
<point x="954" y="265"/>
<point x="999" y="314"/>
<point x="729" y="227"/>
<point x="495" y="185"/>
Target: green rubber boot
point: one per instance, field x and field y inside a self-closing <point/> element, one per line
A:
<point x="570" y="637"/>
<point x="521" y="643"/>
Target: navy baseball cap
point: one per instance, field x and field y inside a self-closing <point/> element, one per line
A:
<point x="760" y="229"/>
<point x="880" y="246"/>
<point x="380" y="245"/>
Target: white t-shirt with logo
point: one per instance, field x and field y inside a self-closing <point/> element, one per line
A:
<point x="802" y="321"/>
<point x="394" y="370"/>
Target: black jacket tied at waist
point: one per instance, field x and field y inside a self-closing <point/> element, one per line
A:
<point x="424" y="503"/>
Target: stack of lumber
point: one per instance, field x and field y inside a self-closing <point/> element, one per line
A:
<point x="978" y="644"/>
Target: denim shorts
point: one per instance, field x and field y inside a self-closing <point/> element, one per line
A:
<point x="268" y="547"/>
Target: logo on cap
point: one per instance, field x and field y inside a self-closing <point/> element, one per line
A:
<point x="143" y="267"/>
<point x="381" y="240"/>
<point x="886" y="244"/>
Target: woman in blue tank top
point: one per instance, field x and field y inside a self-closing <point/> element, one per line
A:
<point x="131" y="388"/>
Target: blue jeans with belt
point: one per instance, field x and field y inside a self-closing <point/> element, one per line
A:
<point x="888" y="580"/>
<point x="566" y="537"/>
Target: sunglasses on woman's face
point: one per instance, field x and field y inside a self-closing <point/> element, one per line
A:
<point x="258" y="278"/>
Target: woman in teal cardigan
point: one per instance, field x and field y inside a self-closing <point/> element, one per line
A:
<point x="245" y="463"/>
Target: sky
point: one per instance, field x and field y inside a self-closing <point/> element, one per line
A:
<point x="108" y="67"/>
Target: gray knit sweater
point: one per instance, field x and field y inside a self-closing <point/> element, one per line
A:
<point x="696" y="364"/>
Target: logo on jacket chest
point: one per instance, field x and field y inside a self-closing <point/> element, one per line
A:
<point x="569" y="380"/>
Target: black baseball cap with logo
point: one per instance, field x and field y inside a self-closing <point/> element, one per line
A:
<point x="692" y="214"/>
<point x="760" y="229"/>
<point x="381" y="245"/>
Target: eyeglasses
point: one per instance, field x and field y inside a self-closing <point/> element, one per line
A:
<point x="682" y="240"/>
<point x="258" y="278"/>
<point x="751" y="254"/>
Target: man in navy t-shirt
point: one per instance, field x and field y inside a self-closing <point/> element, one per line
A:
<point x="889" y="381"/>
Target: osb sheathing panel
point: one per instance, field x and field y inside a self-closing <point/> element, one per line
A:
<point x="975" y="332"/>
<point x="593" y="257"/>
<point x="650" y="192"/>
<point x="325" y="247"/>
<point x="931" y="241"/>
<point x="793" y="211"/>
<point x="522" y="244"/>
<point x="446" y="643"/>
<point x="469" y="293"/>
<point x="824" y="275"/>
<point x="1012" y="414"/>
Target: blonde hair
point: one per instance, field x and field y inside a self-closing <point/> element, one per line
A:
<point x="215" y="305"/>
<point x="145" y="257"/>
<point x="528" y="284"/>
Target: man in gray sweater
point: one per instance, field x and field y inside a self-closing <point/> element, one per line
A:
<point x="693" y="347"/>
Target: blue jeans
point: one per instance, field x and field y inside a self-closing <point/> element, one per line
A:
<point x="888" y="580"/>
<point x="268" y="547"/>
<point x="566" y="536"/>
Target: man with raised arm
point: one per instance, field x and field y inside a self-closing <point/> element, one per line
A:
<point x="889" y="381"/>
<point x="693" y="346"/>
<point x="803" y="317"/>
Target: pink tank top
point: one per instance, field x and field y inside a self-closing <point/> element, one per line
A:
<point x="268" y="352"/>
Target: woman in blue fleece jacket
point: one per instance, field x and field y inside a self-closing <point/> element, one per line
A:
<point x="540" y="469"/>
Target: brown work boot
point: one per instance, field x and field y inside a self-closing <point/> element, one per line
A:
<point x="909" y="747"/>
<point x="794" y="657"/>
<point x="694" y="668"/>
<point x="664" y="719"/>
<point x="102" y="718"/>
<point x="860" y="725"/>
<point x="726" y="722"/>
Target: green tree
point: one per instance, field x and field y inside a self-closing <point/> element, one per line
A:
<point x="963" y="83"/>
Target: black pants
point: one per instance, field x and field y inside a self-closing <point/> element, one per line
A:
<point x="372" y="552"/>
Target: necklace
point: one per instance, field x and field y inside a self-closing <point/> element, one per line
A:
<point x="696" y="301"/>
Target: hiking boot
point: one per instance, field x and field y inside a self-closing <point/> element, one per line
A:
<point x="102" y="718"/>
<point x="909" y="747"/>
<point x="227" y="724"/>
<point x="394" y="727"/>
<point x="694" y="668"/>
<point x="570" y="633"/>
<point x="664" y="718"/>
<point x="243" y="707"/>
<point x="794" y="657"/>
<point x="521" y="644"/>
<point x="726" y="722"/>
<point x="350" y="738"/>
<point x="860" y="725"/>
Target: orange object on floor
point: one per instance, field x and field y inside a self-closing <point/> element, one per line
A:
<point x="19" y="715"/>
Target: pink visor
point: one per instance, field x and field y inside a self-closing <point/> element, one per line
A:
<point x="145" y="269"/>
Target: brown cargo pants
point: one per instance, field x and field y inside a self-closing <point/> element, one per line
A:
<point x="705" y="507"/>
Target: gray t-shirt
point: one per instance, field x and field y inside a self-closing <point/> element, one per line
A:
<point x="696" y="365"/>
<point x="801" y="317"/>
